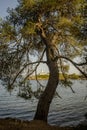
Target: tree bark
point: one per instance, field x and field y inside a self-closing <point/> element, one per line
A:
<point x="47" y="96"/>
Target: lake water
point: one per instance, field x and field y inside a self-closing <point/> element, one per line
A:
<point x="68" y="111"/>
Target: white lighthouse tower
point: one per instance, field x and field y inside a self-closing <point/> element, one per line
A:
<point x="42" y="72"/>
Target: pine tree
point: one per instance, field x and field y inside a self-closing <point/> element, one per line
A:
<point x="45" y="27"/>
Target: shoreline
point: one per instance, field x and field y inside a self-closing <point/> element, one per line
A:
<point x="46" y="77"/>
<point x="16" y="124"/>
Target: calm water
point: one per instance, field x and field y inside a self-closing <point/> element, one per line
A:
<point x="69" y="110"/>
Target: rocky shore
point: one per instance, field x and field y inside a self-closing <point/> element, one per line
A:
<point x="15" y="124"/>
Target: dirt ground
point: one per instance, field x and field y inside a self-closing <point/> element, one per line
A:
<point x="15" y="124"/>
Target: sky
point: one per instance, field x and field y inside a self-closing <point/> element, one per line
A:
<point x="4" y="4"/>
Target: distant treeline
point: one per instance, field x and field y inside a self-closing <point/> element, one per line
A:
<point x="61" y="77"/>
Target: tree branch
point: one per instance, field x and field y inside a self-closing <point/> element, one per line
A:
<point x="76" y="65"/>
<point x="28" y="65"/>
<point x="65" y="79"/>
<point x="37" y="65"/>
<point x="38" y="80"/>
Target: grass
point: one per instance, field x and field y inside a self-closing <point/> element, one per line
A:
<point x="15" y="124"/>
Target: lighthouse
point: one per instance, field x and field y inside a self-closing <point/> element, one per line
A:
<point x="42" y="72"/>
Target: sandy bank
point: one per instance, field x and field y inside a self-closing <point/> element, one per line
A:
<point x="15" y="124"/>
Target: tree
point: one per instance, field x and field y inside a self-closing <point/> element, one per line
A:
<point x="39" y="27"/>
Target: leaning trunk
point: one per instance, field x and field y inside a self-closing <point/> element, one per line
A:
<point x="47" y="96"/>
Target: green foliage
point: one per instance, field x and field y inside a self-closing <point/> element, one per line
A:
<point x="74" y="76"/>
<point x="7" y="32"/>
<point x="43" y="76"/>
<point x="25" y="91"/>
<point x="60" y="20"/>
<point x="28" y="3"/>
<point x="28" y="29"/>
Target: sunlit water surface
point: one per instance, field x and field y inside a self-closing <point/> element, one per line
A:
<point x="67" y="111"/>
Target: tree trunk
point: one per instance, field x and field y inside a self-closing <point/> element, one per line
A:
<point x="47" y="96"/>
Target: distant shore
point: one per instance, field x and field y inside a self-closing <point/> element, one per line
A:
<point x="61" y="77"/>
<point x="15" y="124"/>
